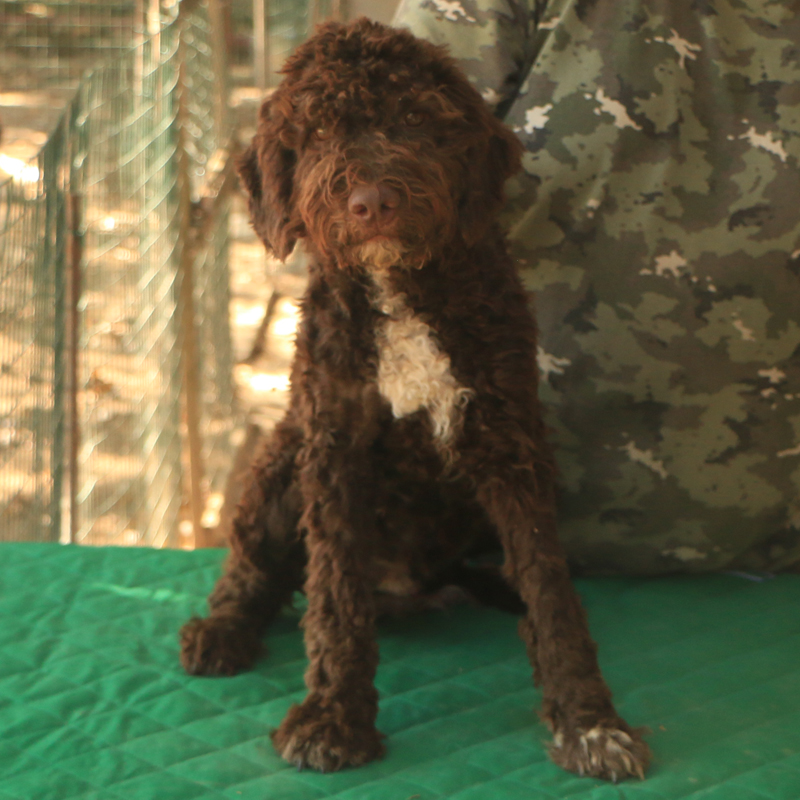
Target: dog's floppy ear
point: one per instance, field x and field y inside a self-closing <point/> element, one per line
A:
<point x="267" y="172"/>
<point x="496" y="157"/>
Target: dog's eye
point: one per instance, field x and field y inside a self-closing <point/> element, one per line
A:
<point x="323" y="133"/>
<point x="414" y="119"/>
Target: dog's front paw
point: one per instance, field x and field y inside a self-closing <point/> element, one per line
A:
<point x="321" y="737"/>
<point x="601" y="752"/>
<point x="217" y="646"/>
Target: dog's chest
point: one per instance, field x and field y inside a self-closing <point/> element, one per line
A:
<point x="413" y="372"/>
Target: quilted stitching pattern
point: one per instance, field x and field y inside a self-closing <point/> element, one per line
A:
<point x="94" y="705"/>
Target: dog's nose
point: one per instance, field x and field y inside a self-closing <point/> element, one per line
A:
<point x="373" y="203"/>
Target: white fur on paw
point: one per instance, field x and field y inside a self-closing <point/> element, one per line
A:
<point x="317" y="755"/>
<point x="316" y="738"/>
<point x="601" y="752"/>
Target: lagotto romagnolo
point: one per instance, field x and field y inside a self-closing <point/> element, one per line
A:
<point x="413" y="438"/>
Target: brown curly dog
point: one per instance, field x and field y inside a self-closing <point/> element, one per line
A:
<point x="414" y="438"/>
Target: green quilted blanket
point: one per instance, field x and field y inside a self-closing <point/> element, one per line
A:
<point x="94" y="705"/>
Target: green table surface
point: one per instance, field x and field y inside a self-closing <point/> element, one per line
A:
<point x="94" y="704"/>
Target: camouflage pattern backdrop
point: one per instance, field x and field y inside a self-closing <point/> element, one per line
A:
<point x="658" y="223"/>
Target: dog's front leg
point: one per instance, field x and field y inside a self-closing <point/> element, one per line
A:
<point x="264" y="568"/>
<point x="514" y="476"/>
<point x="334" y="726"/>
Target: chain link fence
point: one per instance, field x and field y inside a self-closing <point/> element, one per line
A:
<point x="115" y="381"/>
<point x="32" y="355"/>
<point x="127" y="454"/>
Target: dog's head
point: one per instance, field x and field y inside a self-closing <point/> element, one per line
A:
<point x="376" y="147"/>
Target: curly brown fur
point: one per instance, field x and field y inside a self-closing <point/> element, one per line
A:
<point x="414" y="437"/>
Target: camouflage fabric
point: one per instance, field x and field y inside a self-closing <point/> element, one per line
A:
<point x="658" y="223"/>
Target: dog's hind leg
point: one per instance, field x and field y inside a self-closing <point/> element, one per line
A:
<point x="514" y="475"/>
<point x="265" y="565"/>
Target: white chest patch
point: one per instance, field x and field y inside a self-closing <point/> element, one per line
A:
<point x="413" y="373"/>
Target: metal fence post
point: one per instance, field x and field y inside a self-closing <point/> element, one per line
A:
<point x="73" y="290"/>
<point x="75" y="258"/>
<point x="186" y="254"/>
<point x="53" y="276"/>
